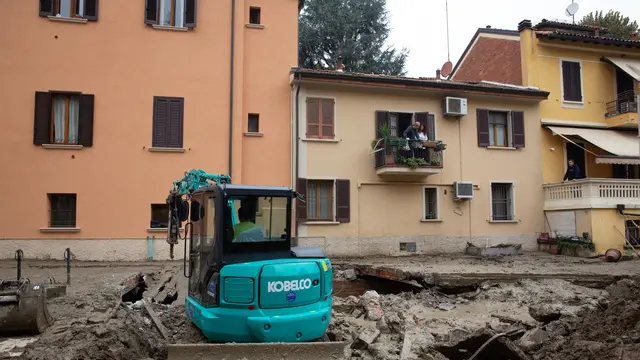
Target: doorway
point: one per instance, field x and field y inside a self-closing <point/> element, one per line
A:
<point x="625" y="93"/>
<point x="576" y="152"/>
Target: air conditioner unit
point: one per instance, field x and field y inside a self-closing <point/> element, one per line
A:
<point x="462" y="190"/>
<point x="455" y="106"/>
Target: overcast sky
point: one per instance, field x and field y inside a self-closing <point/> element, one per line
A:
<point x="420" y="25"/>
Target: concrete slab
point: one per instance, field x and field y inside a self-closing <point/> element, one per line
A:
<point x="257" y="351"/>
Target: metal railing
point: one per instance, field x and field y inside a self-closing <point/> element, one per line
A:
<point x="410" y="153"/>
<point x="625" y="102"/>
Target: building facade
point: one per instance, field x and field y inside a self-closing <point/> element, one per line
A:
<point x="106" y="103"/>
<point x="368" y="193"/>
<point x="591" y="117"/>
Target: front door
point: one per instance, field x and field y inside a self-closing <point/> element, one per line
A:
<point x="577" y="154"/>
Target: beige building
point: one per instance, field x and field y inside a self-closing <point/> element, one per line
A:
<point x="366" y="194"/>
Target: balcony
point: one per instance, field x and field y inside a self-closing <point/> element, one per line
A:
<point x="623" y="112"/>
<point x="592" y="194"/>
<point x="407" y="158"/>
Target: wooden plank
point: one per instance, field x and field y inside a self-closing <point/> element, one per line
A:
<point x="156" y="319"/>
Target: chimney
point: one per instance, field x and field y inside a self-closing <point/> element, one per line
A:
<point x="524" y="24"/>
<point x="488" y="26"/>
<point x="634" y="36"/>
<point x="340" y="64"/>
<point x="438" y="74"/>
<point x="596" y="31"/>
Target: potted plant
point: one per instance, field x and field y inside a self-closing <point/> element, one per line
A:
<point x="386" y="136"/>
<point x="429" y="143"/>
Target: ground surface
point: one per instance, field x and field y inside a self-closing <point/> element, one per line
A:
<point x="418" y="319"/>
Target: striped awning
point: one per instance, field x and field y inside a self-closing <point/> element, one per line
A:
<point x="623" y="144"/>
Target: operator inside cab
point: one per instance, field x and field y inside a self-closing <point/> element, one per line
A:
<point x="246" y="230"/>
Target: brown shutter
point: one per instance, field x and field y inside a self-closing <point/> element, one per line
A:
<point x="176" y="123"/>
<point x="572" y="87"/>
<point x="85" y="120"/>
<point x="343" y="201"/>
<point x="575" y="81"/>
<point x="301" y="207"/>
<point x="160" y="122"/>
<point x="47" y="8"/>
<point x="382" y="118"/>
<point x="327" y="123"/>
<point x="517" y="126"/>
<point x="42" y="118"/>
<point x="91" y="10"/>
<point x="483" y="127"/>
<point x="151" y="12"/>
<point x="313" y="118"/>
<point x="190" y="12"/>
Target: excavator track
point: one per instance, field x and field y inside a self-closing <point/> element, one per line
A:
<point x="258" y="351"/>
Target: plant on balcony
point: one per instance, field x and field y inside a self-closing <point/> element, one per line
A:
<point x="434" y="163"/>
<point x="412" y="162"/>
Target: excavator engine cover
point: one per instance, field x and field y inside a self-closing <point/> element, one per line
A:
<point x="23" y="308"/>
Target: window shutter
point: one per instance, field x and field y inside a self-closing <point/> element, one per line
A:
<point x="151" y="12"/>
<point x="85" y="120"/>
<point x="517" y="136"/>
<point x="190" y="7"/>
<point x="313" y="118"/>
<point x="91" y="10"/>
<point x="160" y="122"/>
<point x="176" y="123"/>
<point x="483" y="127"/>
<point x="42" y="118"/>
<point x="327" y="118"/>
<point x="47" y="8"/>
<point x="343" y="201"/>
<point x="571" y="81"/>
<point x="382" y="118"/>
<point x="301" y="207"/>
<point x="575" y="81"/>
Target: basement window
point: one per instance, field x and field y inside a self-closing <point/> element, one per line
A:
<point x="253" y="123"/>
<point x="159" y="216"/>
<point x="254" y="15"/>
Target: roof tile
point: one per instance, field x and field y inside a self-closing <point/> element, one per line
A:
<point x="492" y="59"/>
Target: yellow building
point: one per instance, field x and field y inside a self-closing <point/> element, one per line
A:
<point x="591" y="116"/>
<point x="366" y="198"/>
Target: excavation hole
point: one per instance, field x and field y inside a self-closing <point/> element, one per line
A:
<point x="463" y="350"/>
<point x="134" y="289"/>
<point x="170" y="298"/>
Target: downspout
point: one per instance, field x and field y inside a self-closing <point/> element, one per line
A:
<point x="297" y="149"/>
<point x="231" y="69"/>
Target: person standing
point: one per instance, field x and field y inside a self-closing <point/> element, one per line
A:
<point x="573" y="171"/>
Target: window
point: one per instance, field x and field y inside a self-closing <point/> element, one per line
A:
<point x="168" y="122"/>
<point x="86" y="9"/>
<point x="430" y="203"/>
<point x="64" y="118"/>
<point x="500" y="128"/>
<point x="399" y="122"/>
<point x="502" y="202"/>
<point x="253" y="123"/>
<point x="320" y="118"/>
<point x="176" y="13"/>
<point x="159" y="216"/>
<point x="571" y="81"/>
<point x="254" y="15"/>
<point x="325" y="200"/>
<point x="62" y="210"/>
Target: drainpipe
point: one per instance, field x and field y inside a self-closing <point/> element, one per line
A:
<point x="297" y="149"/>
<point x="231" y="69"/>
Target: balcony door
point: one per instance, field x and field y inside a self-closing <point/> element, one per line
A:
<point x="576" y="152"/>
<point x="625" y="93"/>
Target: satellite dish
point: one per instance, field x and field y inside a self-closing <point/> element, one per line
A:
<point x="446" y="69"/>
<point x="572" y="9"/>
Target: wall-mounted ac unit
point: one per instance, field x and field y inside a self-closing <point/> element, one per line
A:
<point x="462" y="190"/>
<point x="455" y="106"/>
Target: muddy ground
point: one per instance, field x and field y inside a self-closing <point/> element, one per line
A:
<point x="543" y="318"/>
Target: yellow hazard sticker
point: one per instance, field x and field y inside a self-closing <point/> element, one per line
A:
<point x="324" y="265"/>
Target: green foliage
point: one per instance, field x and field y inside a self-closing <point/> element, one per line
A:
<point x="618" y="24"/>
<point x="567" y="246"/>
<point x="357" y="30"/>
<point x="412" y="162"/>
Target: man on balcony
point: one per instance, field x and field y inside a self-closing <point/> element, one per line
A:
<point x="573" y="172"/>
<point x="411" y="134"/>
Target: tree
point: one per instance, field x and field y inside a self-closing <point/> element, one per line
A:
<point x="617" y="24"/>
<point x="357" y="30"/>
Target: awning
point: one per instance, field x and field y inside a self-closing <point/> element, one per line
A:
<point x="619" y="143"/>
<point x="631" y="67"/>
<point x="617" y="160"/>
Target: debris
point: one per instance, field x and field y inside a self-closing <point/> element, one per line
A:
<point x="533" y="339"/>
<point x="350" y="274"/>
<point x="446" y="306"/>
<point x="367" y="337"/>
<point x="156" y="320"/>
<point x="497" y="250"/>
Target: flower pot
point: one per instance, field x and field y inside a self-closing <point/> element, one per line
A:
<point x="390" y="159"/>
<point x="429" y="144"/>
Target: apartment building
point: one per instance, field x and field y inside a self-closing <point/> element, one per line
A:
<point x="591" y="116"/>
<point x="106" y="103"/>
<point x="476" y="177"/>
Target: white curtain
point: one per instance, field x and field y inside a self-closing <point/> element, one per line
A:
<point x="165" y="12"/>
<point x="65" y="8"/>
<point x="74" y="112"/>
<point x="179" y="13"/>
<point x="59" y="112"/>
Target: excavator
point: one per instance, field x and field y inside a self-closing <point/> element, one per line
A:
<point x="251" y="293"/>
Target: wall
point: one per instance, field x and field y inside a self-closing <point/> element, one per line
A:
<point x="125" y="63"/>
<point x="605" y="235"/>
<point x="385" y="213"/>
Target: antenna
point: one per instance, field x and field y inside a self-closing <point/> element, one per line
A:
<point x="446" y="5"/>
<point x="446" y="69"/>
<point x="571" y="10"/>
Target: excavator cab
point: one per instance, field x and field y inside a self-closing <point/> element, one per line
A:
<point x="246" y="282"/>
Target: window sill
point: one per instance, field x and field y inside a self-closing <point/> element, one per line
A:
<point x="320" y="223"/>
<point x="60" y="230"/>
<point x="254" y="134"/>
<point x="160" y="230"/>
<point x="169" y="150"/>
<point x="170" y="28"/>
<point x="321" y="140"/>
<point x="502" y="221"/>
<point x="572" y="105"/>
<point x="430" y="220"/>
<point x="68" y="19"/>
<point x="254" y="26"/>
<point x="501" y="148"/>
<point x="62" y="146"/>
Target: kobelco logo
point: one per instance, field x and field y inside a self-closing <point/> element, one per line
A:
<point x="293" y="285"/>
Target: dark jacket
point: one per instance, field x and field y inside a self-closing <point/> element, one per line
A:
<point x="573" y="173"/>
<point x="410" y="133"/>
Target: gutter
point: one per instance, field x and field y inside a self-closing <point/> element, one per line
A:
<point x="297" y="225"/>
<point x="231" y="69"/>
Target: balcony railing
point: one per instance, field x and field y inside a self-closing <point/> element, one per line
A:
<point x="412" y="154"/>
<point x="591" y="194"/>
<point x="625" y="102"/>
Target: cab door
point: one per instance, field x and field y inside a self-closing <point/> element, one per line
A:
<point x="195" y="245"/>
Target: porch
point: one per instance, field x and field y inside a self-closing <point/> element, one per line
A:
<point x="592" y="194"/>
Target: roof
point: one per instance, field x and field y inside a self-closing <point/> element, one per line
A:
<point x="544" y="23"/>
<point x="555" y="30"/>
<point x="491" y="59"/>
<point x="488" y="49"/>
<point x="420" y="83"/>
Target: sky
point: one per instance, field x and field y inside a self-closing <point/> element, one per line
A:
<point x="421" y="27"/>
